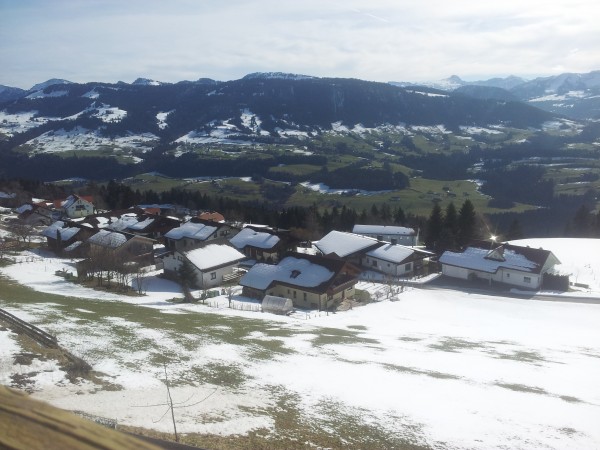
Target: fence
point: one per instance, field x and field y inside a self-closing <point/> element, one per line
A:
<point x="31" y="330"/>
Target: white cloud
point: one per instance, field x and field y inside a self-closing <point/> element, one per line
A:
<point x="384" y="40"/>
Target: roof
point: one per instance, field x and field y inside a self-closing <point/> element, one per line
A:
<point x="505" y="256"/>
<point x="66" y="233"/>
<point x="71" y="199"/>
<point x="383" y="230"/>
<point x="105" y="238"/>
<point x="211" y="215"/>
<point x="395" y="253"/>
<point x="291" y="270"/>
<point x="191" y="230"/>
<point x="214" y="255"/>
<point x="259" y="239"/>
<point x="345" y="244"/>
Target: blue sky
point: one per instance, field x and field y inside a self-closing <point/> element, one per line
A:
<point x="380" y="40"/>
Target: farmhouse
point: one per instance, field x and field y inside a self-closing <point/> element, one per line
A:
<point x="194" y="234"/>
<point x="260" y="244"/>
<point x="212" y="264"/>
<point x="60" y="235"/>
<point x="395" y="260"/>
<point x="348" y="246"/>
<point x="391" y="234"/>
<point x="125" y="247"/>
<point x="75" y="206"/>
<point x="310" y="281"/>
<point x="514" y="265"/>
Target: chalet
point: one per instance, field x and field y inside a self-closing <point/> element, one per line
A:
<point x="8" y="200"/>
<point x="212" y="264"/>
<point x="35" y="214"/>
<point x="514" y="265"/>
<point x="195" y="233"/>
<point x="348" y="246"/>
<point x="125" y="246"/>
<point x="391" y="234"/>
<point x="62" y="235"/>
<point x="395" y="260"/>
<point x="138" y="222"/>
<point x="75" y="206"/>
<point x="310" y="281"/>
<point x="259" y="244"/>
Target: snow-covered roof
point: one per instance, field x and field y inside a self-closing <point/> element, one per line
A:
<point x="5" y="195"/>
<point x="107" y="238"/>
<point x="383" y="230"/>
<point x="393" y="253"/>
<point x="344" y="244"/>
<point x="66" y="233"/>
<point x="142" y="224"/>
<point x="214" y="255"/>
<point x="490" y="260"/>
<point x="26" y="207"/>
<point x="191" y="230"/>
<point x="292" y="270"/>
<point x="253" y="238"/>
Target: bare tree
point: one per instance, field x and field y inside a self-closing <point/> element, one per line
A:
<point x="21" y="232"/>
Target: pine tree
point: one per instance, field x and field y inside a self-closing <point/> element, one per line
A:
<point x="514" y="231"/>
<point x="435" y="225"/>
<point x="466" y="223"/>
<point x="187" y="275"/>
<point x="448" y="238"/>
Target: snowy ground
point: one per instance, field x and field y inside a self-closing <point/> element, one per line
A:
<point x="437" y="368"/>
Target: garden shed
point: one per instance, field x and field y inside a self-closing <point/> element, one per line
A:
<point x="277" y="305"/>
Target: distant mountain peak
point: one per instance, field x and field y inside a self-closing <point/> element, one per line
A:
<point x="50" y="82"/>
<point x="147" y="82"/>
<point x="276" y="75"/>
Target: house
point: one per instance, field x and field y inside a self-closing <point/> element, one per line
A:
<point x="213" y="216"/>
<point x="35" y="214"/>
<point x="124" y="246"/>
<point x="196" y="233"/>
<point x="395" y="260"/>
<point x="75" y="206"/>
<point x="310" y="281"/>
<point x="61" y="235"/>
<point x="212" y="264"/>
<point x="514" y="265"/>
<point x="259" y="244"/>
<point x="391" y="234"/>
<point x="348" y="246"/>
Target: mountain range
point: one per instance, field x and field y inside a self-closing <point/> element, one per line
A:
<point x="572" y="95"/>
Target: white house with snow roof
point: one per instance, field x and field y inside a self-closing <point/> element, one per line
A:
<point x="190" y="235"/>
<point x="75" y="206"/>
<point x="349" y="246"/>
<point x="212" y="264"/>
<point x="506" y="263"/>
<point x="258" y="245"/>
<point x="387" y="233"/>
<point x="395" y="260"/>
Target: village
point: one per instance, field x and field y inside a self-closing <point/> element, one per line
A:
<point x="207" y="254"/>
<point x="249" y="318"/>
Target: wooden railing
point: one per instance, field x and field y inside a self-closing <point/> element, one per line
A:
<point x="31" y="330"/>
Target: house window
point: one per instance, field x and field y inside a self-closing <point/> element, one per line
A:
<point x="527" y="279"/>
<point x="294" y="294"/>
<point x="508" y="275"/>
<point x="294" y="273"/>
<point x="304" y="296"/>
<point x="408" y="267"/>
<point x="374" y="263"/>
<point x="213" y="276"/>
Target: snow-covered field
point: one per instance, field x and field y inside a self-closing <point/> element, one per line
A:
<point x="437" y="368"/>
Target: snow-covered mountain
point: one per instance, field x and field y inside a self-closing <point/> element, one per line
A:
<point x="570" y="94"/>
